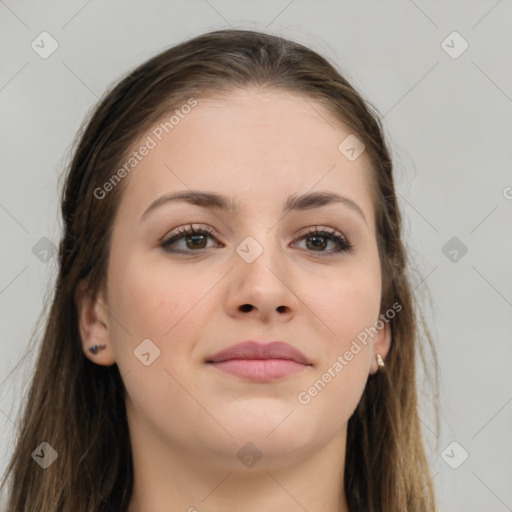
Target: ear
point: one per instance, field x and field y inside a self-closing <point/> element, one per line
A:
<point x="381" y="345"/>
<point x="93" y="324"/>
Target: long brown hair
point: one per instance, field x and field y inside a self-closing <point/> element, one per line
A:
<point x="78" y="407"/>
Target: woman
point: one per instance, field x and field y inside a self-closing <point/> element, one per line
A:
<point x="233" y="325"/>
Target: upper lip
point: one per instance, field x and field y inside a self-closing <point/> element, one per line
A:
<point x="259" y="350"/>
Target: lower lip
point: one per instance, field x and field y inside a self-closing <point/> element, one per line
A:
<point x="262" y="370"/>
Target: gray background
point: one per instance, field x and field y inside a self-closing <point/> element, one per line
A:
<point x="448" y="121"/>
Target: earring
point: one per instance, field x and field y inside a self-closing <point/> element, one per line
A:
<point x="95" y="348"/>
<point x="380" y="362"/>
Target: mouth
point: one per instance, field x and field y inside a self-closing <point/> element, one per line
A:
<point x="262" y="370"/>
<point x="261" y="362"/>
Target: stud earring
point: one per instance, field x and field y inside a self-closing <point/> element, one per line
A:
<point x="94" y="349"/>
<point x="380" y="362"/>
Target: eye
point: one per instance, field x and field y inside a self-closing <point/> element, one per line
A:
<point x="318" y="238"/>
<point x="195" y="240"/>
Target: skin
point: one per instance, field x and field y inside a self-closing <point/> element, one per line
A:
<point x="187" y="419"/>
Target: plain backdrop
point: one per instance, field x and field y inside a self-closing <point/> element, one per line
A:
<point x="440" y="74"/>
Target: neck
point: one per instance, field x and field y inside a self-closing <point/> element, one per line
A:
<point x="167" y="475"/>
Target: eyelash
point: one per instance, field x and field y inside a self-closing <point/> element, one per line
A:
<point x="343" y="244"/>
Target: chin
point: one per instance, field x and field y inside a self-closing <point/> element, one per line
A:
<point x="261" y="452"/>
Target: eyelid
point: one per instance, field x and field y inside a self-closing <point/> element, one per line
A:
<point x="198" y="227"/>
<point x="188" y="227"/>
<point x="316" y="229"/>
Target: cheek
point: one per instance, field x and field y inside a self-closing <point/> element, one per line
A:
<point x="154" y="300"/>
<point x="347" y="308"/>
<point x="346" y="303"/>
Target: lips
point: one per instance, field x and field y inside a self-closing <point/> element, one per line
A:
<point x="260" y="362"/>
<point x="257" y="350"/>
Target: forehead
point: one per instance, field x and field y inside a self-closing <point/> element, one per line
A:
<point x="252" y="145"/>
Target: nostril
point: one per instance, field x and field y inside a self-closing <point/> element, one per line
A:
<point x="246" y="307"/>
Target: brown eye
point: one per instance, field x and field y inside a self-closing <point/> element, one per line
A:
<point x="193" y="240"/>
<point x="318" y="239"/>
<point x="318" y="242"/>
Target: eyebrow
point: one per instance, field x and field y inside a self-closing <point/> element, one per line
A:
<point x="215" y="201"/>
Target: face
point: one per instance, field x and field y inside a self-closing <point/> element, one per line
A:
<point x="257" y="272"/>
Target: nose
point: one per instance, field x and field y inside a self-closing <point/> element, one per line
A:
<point x="263" y="286"/>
